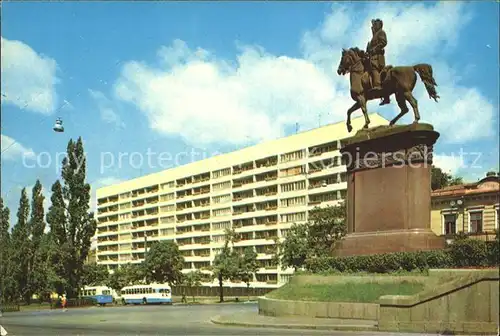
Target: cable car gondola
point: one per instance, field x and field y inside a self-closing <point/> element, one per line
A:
<point x="58" y="127"/>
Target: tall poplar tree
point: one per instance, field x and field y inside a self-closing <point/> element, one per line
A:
<point x="37" y="278"/>
<point x="6" y="277"/>
<point x="21" y="249"/>
<point x="71" y="222"/>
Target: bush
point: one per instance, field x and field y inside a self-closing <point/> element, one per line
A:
<point x="462" y="253"/>
<point x="9" y="307"/>
<point x="469" y="252"/>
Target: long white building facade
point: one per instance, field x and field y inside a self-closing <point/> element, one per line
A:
<point x="259" y="191"/>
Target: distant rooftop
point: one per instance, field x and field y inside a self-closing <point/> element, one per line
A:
<point x="488" y="184"/>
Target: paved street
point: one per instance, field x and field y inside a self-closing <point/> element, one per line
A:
<point x="141" y="320"/>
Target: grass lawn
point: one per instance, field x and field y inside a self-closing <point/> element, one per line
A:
<point x="345" y="292"/>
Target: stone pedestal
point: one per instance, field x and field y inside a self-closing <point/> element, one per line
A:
<point x="388" y="190"/>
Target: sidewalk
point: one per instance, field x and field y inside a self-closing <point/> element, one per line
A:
<point x="293" y="322"/>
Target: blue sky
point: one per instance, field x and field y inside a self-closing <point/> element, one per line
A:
<point x="214" y="77"/>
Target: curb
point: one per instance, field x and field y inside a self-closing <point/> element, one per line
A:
<point x="217" y="320"/>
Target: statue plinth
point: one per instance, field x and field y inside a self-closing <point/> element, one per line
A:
<point x="388" y="190"/>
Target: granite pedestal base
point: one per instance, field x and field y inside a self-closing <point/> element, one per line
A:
<point x="388" y="190"/>
<point x="368" y="243"/>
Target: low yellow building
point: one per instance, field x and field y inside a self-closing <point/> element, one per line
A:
<point x="472" y="208"/>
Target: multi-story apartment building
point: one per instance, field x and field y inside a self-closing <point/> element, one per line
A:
<point x="259" y="191"/>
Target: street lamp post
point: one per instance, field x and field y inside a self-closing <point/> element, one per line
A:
<point x="145" y="244"/>
<point x="459" y="205"/>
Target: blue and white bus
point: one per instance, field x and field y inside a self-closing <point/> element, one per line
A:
<point x="101" y="294"/>
<point x="146" y="294"/>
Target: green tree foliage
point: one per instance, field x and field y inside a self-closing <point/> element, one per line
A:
<point x="71" y="223"/>
<point x="164" y="263"/>
<point x="21" y="249"/>
<point x="37" y="277"/>
<point x="293" y="251"/>
<point x="440" y="179"/>
<point x="94" y="274"/>
<point x="7" y="281"/>
<point x="126" y="275"/>
<point x="247" y="267"/>
<point x="325" y="228"/>
<point x="226" y="263"/>
<point x="192" y="280"/>
<point x="59" y="252"/>
<point x="51" y="281"/>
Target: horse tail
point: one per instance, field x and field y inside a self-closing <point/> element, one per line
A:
<point x="425" y="73"/>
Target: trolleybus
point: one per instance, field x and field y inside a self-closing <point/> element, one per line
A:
<point x="146" y="294"/>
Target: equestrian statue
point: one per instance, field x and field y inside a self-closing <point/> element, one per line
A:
<point x="371" y="78"/>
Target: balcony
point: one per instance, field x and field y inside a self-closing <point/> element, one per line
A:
<point x="269" y="223"/>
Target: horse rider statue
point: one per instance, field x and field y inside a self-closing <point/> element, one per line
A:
<point x="376" y="52"/>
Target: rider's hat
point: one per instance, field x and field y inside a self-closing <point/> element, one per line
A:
<point x="377" y="21"/>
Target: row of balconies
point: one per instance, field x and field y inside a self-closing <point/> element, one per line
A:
<point x="313" y="184"/>
<point x="237" y="210"/>
<point x="238" y="169"/>
<point x="314" y="200"/>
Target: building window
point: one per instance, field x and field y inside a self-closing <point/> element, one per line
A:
<point x="292" y="156"/>
<point x="293" y="186"/>
<point x="497" y="222"/>
<point x="475" y="221"/>
<point x="294" y="201"/>
<point x="293" y="217"/>
<point x="450" y="224"/>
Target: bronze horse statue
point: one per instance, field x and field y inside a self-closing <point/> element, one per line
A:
<point x="399" y="80"/>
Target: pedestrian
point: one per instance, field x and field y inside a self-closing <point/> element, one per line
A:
<point x="63" y="302"/>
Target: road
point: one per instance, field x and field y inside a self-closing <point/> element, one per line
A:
<point x="140" y="320"/>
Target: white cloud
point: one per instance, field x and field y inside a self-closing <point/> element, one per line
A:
<point x="28" y="78"/>
<point x="106" y="108"/>
<point x="13" y="150"/>
<point x="206" y="100"/>
<point x="102" y="182"/>
<point x="450" y="164"/>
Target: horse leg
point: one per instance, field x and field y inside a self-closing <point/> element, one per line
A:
<point x="400" y="98"/>
<point x="414" y="105"/>
<point x="349" y="112"/>
<point x="362" y="103"/>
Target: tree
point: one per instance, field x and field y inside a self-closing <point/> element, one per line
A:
<point x="325" y="228"/>
<point x="38" y="269"/>
<point x="94" y="274"/>
<point x="440" y="179"/>
<point x="226" y="263"/>
<point x="7" y="282"/>
<point x="293" y="251"/>
<point x="50" y="281"/>
<point x="192" y="280"/>
<point x="70" y="220"/>
<point x="164" y="263"/>
<point x="21" y="249"/>
<point x="126" y="275"/>
<point x="247" y="267"/>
